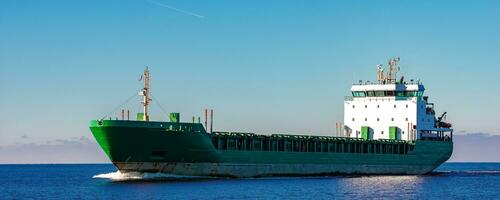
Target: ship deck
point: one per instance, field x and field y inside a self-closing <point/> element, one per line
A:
<point x="305" y="143"/>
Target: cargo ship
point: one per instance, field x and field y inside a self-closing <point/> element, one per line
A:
<point x="389" y="127"/>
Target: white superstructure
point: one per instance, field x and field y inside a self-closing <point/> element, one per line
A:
<point x="391" y="109"/>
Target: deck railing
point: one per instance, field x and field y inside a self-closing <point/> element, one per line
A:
<point x="383" y="98"/>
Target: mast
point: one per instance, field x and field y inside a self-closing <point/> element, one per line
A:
<point x="393" y="69"/>
<point x="145" y="93"/>
<point x="380" y="73"/>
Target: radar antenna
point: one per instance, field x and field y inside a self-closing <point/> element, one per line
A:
<point x="393" y="68"/>
<point x="380" y="73"/>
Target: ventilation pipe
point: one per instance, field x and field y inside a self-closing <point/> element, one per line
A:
<point x="206" y="118"/>
<point x="211" y="120"/>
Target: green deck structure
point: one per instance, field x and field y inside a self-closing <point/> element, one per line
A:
<point x="365" y="132"/>
<point x="393" y="131"/>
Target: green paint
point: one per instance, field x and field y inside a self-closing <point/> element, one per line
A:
<point x="175" y="117"/>
<point x="393" y="131"/>
<point x="140" y="116"/>
<point x="365" y="132"/>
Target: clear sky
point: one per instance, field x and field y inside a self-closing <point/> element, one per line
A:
<point x="263" y="66"/>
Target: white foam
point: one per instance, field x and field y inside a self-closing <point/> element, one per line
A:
<point x="130" y="176"/>
<point x="472" y="172"/>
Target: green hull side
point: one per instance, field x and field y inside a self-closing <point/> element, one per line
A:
<point x="134" y="141"/>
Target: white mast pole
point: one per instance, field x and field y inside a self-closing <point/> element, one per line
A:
<point x="145" y="94"/>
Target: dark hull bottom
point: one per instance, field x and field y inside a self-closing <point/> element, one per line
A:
<point x="261" y="170"/>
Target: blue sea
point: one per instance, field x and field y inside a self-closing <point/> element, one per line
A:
<point x="102" y="181"/>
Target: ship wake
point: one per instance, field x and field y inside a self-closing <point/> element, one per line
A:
<point x="139" y="177"/>
<point x="472" y="172"/>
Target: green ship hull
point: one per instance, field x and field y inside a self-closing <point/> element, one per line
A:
<point x="187" y="149"/>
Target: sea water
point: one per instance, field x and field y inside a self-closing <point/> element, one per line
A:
<point x="102" y="181"/>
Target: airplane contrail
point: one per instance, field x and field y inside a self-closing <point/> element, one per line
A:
<point x="176" y="9"/>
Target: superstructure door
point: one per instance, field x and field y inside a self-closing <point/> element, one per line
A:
<point x="365" y="132"/>
<point x="393" y="133"/>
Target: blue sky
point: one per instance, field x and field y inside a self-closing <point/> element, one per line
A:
<point x="263" y="66"/>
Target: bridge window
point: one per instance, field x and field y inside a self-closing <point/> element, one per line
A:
<point x="409" y="93"/>
<point x="379" y="93"/>
<point x="389" y="93"/>
<point x="358" y="94"/>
